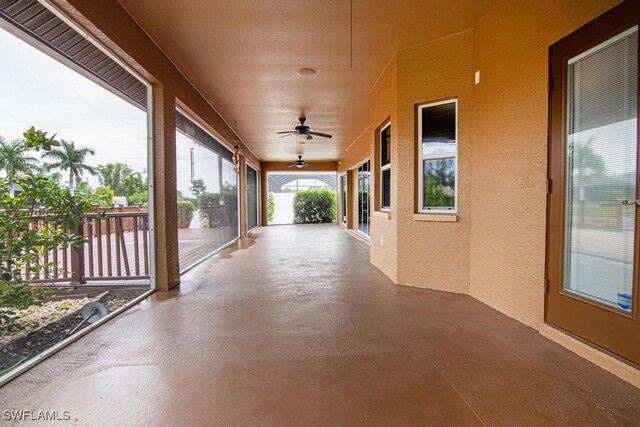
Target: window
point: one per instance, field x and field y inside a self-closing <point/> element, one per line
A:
<point x="385" y="168"/>
<point x="438" y="150"/>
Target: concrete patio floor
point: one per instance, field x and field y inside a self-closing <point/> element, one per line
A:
<point x="293" y="326"/>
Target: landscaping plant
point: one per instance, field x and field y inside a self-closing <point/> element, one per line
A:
<point x="316" y="205"/>
<point x="22" y="245"/>
<point x="271" y="207"/>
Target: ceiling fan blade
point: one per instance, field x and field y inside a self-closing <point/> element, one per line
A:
<point x="292" y="166"/>
<point x="307" y="165"/>
<point x="288" y="131"/>
<point x="323" y="135"/>
<point x="288" y="134"/>
<point x="309" y="137"/>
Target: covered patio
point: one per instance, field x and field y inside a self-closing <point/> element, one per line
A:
<point x="298" y="328"/>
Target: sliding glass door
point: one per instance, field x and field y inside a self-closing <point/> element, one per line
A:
<point x="207" y="193"/>
<point x="364" y="198"/>
<point x="343" y="198"/>
<point x="252" y="198"/>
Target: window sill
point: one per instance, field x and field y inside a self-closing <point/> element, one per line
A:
<point x="381" y="214"/>
<point x="435" y="217"/>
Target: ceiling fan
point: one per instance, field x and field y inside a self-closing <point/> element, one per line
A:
<point x="300" y="163"/>
<point x="303" y="130"/>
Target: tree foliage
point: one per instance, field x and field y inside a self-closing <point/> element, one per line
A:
<point x="71" y="159"/>
<point x="316" y="205"/>
<point x="14" y="162"/>
<point x="197" y="187"/>
<point x="439" y="184"/>
<point x="102" y="196"/>
<point x="585" y="161"/>
<point x="22" y="246"/>
<point x="122" y="179"/>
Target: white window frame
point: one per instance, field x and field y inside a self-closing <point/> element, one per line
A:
<point x="384" y="168"/>
<point x="357" y="216"/>
<point x="421" y="157"/>
<point x="343" y="197"/>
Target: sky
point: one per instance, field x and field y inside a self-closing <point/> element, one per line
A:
<point x="36" y="90"/>
<point x="205" y="166"/>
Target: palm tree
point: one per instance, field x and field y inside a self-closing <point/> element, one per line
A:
<point x="14" y="161"/>
<point x="70" y="158"/>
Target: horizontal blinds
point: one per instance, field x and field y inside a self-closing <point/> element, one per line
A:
<point x="602" y="86"/>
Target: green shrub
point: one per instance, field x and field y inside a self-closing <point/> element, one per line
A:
<point x="104" y="197"/>
<point x="139" y="198"/>
<point x="207" y="199"/>
<point x="314" y="206"/>
<point x="271" y="207"/>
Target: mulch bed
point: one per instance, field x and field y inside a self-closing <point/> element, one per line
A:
<point x="35" y="342"/>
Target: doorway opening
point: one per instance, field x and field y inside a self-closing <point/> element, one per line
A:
<point x="301" y="197"/>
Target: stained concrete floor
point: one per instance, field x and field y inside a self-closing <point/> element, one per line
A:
<point x="295" y="327"/>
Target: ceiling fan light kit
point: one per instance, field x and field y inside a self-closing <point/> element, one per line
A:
<point x="303" y="130"/>
<point x="299" y="163"/>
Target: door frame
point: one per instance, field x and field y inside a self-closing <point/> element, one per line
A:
<point x="356" y="168"/>
<point x="613" y="330"/>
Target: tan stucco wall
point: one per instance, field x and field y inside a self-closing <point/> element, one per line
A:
<point x="434" y="254"/>
<point x="383" y="107"/>
<point x="496" y="249"/>
<point x="510" y="149"/>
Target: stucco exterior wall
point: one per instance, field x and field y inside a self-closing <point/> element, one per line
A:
<point x="434" y="254"/>
<point x="509" y="153"/>
<point x="383" y="231"/>
<point x="383" y="107"/>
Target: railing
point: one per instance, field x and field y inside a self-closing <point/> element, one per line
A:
<point x="116" y="248"/>
<point x="603" y="215"/>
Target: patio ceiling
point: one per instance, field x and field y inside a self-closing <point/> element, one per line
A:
<point x="243" y="56"/>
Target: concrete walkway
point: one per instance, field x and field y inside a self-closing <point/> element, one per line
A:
<point x="295" y="327"/>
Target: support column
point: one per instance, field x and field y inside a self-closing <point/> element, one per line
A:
<point x="242" y="164"/>
<point x="352" y="198"/>
<point x="165" y="196"/>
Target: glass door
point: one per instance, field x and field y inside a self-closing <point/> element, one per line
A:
<point x="343" y="198"/>
<point x="363" y="198"/>
<point x="593" y="204"/>
<point x="252" y="198"/>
